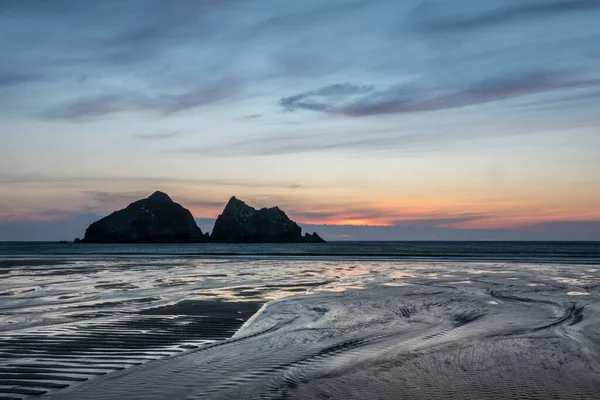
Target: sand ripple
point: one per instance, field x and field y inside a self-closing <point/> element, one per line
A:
<point x="427" y="330"/>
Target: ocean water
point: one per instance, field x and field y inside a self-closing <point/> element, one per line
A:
<point x="72" y="316"/>
<point x="588" y="252"/>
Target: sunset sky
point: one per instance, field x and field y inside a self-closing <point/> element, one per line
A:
<point x="392" y="120"/>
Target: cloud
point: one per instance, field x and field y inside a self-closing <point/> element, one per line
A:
<point x="587" y="227"/>
<point x="152" y="182"/>
<point x="157" y="135"/>
<point x="252" y="116"/>
<point x="337" y="213"/>
<point x="165" y="103"/>
<point x="166" y="54"/>
<point x="63" y="227"/>
<point x="52" y="215"/>
<point x="437" y="15"/>
<point x="118" y="32"/>
<point x="12" y="78"/>
<point x="440" y="221"/>
<point x="378" y="217"/>
<point x="206" y="203"/>
<point x="366" y="100"/>
<point x="392" y="141"/>
<point x="323" y="99"/>
<point x="88" y="108"/>
<point x="574" y="231"/>
<point x="110" y="198"/>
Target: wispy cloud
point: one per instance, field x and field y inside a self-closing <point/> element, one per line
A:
<point x="326" y="98"/>
<point x="52" y="215"/>
<point x="88" y="108"/>
<point x="383" y="142"/>
<point x="66" y="228"/>
<point x="152" y="182"/>
<point x="377" y="216"/>
<point x="588" y="227"/>
<point x="13" y="78"/>
<point x="440" y="16"/>
<point x="252" y="116"/>
<point x="366" y="100"/>
<point x="385" y="233"/>
<point x="165" y="103"/>
<point x="441" y="221"/>
<point x="203" y="203"/>
<point x="157" y="135"/>
<point x="112" y="198"/>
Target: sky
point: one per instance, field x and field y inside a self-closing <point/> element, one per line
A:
<point x="363" y="120"/>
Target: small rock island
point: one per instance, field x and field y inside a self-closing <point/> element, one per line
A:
<point x="240" y="223"/>
<point x="158" y="219"/>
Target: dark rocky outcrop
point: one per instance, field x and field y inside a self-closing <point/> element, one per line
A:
<point x="240" y="223"/>
<point x="312" y="238"/>
<point x="156" y="219"/>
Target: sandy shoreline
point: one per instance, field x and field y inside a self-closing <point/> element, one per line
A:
<point x="491" y="339"/>
<point x="301" y="329"/>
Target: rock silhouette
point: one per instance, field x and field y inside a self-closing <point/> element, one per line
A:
<point x="156" y="219"/>
<point x="240" y="223"/>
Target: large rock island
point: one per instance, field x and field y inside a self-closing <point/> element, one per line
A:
<point x="156" y="219"/>
<point x="240" y="223"/>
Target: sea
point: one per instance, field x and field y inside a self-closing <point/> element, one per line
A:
<point x="71" y="313"/>
<point x="588" y="252"/>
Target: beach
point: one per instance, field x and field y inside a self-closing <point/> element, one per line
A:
<point x="106" y="323"/>
<point x="343" y="199"/>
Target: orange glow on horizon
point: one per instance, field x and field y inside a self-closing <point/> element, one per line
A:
<point x="502" y="215"/>
<point x="355" y="222"/>
<point x="451" y="212"/>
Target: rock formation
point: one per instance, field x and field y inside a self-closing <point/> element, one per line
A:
<point x="240" y="223"/>
<point x="156" y="219"/>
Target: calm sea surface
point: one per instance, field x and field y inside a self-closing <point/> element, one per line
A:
<point x="575" y="252"/>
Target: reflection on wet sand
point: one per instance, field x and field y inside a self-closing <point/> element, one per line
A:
<point x="413" y="327"/>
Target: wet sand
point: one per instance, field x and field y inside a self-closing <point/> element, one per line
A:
<point x="404" y="342"/>
<point x="330" y="329"/>
<point x="36" y="361"/>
